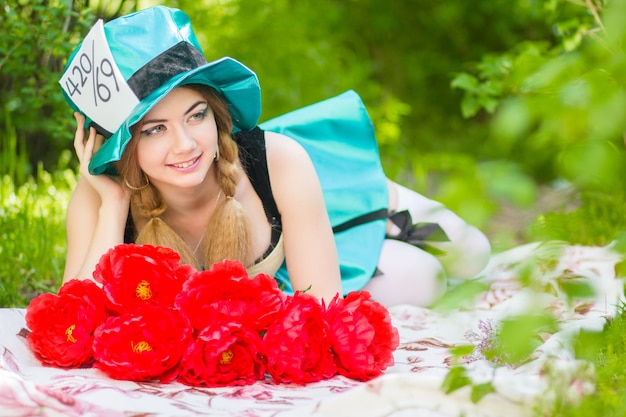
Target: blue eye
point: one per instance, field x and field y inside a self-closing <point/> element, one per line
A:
<point x="200" y="115"/>
<point x="153" y="130"/>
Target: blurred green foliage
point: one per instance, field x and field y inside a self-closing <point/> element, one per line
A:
<point x="560" y="108"/>
<point x="36" y="38"/>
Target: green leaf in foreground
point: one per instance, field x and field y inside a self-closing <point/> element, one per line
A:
<point x="456" y="378"/>
<point x="461" y="350"/>
<point x="519" y="336"/>
<point x="576" y="288"/>
<point x="463" y="295"/>
<point x="480" y="390"/>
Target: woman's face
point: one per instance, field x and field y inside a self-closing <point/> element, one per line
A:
<point x="178" y="139"/>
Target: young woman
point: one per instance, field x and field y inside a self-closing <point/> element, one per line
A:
<point x="192" y="171"/>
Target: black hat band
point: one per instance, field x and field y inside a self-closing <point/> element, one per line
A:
<point x="178" y="59"/>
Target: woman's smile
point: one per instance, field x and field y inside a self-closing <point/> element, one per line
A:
<point x="186" y="165"/>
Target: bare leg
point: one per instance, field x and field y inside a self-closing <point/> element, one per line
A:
<point x="409" y="276"/>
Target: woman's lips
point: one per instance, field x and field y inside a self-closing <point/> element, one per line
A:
<point x="186" y="165"/>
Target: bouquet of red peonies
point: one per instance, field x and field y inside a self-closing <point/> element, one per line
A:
<point x="147" y="317"/>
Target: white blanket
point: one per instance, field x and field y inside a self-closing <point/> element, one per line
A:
<point x="412" y="387"/>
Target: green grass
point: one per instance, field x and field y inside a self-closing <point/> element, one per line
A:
<point x="597" y="221"/>
<point x="611" y="385"/>
<point x="32" y="230"/>
<point x="606" y="352"/>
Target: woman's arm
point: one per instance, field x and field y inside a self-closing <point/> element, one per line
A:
<point x="310" y="249"/>
<point x="92" y="229"/>
<point x="96" y="214"/>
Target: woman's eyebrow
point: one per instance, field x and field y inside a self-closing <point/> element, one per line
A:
<point x="193" y="106"/>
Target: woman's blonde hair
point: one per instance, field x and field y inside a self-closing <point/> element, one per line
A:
<point x="227" y="235"/>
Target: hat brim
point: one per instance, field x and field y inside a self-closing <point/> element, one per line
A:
<point x="237" y="83"/>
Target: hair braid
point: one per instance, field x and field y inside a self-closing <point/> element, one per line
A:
<point x="228" y="233"/>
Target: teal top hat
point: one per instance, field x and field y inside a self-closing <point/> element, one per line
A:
<point x="124" y="67"/>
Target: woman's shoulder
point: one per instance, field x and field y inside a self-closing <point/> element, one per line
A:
<point x="283" y="151"/>
<point x="290" y="168"/>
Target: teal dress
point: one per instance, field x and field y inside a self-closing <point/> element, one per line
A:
<point x="339" y="137"/>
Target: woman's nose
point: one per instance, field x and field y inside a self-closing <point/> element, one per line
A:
<point x="183" y="140"/>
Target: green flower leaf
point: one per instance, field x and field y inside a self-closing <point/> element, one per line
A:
<point x="456" y="378"/>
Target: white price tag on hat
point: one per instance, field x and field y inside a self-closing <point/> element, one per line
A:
<point x="95" y="84"/>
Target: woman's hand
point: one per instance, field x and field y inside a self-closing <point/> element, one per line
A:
<point x="105" y="186"/>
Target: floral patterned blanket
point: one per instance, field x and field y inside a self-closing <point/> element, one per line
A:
<point x="440" y="350"/>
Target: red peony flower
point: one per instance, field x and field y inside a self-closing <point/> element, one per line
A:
<point x="225" y="293"/>
<point x="297" y="345"/>
<point x="363" y="337"/>
<point x="134" y="276"/>
<point x="141" y="346"/>
<point x="62" y="326"/>
<point x="223" y="354"/>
